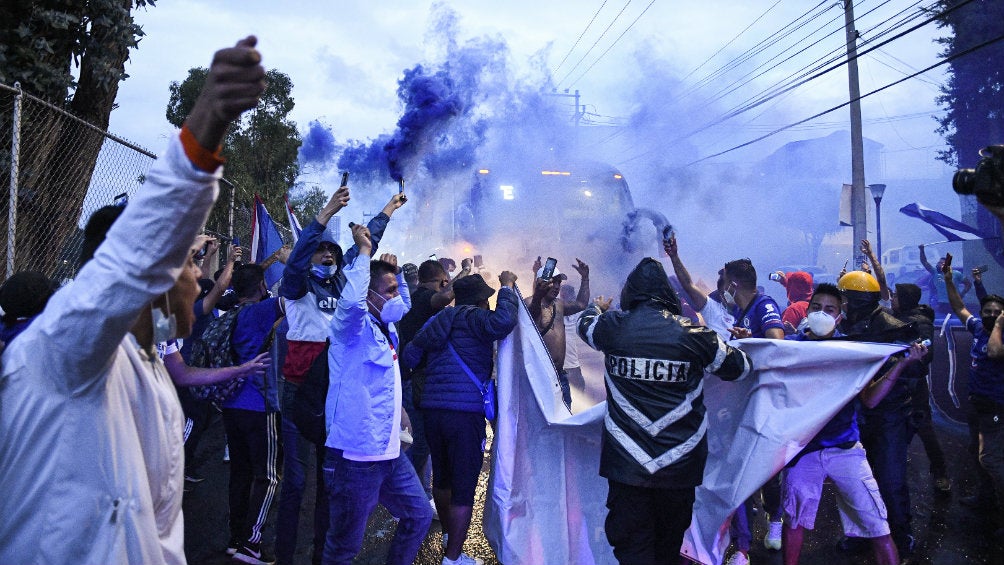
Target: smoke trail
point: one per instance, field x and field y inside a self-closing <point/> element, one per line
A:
<point x="318" y="145"/>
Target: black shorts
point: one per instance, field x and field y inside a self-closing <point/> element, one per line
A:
<point x="456" y="442"/>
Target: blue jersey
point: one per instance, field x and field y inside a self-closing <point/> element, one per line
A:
<point x="986" y="375"/>
<point x="254" y="324"/>
<point x="842" y="429"/>
<point x="761" y="315"/>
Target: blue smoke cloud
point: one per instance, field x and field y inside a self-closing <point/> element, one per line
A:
<point x="318" y="144"/>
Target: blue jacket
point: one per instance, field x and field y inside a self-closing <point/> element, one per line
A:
<point x="362" y="376"/>
<point x="472" y="332"/>
<point x="310" y="300"/>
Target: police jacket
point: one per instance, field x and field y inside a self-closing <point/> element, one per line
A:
<point x="654" y="429"/>
<point x="472" y="331"/>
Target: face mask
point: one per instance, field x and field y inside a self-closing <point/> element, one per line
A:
<point x="729" y="297"/>
<point x="820" y="323"/>
<point x="988" y="323"/>
<point x="324" y="271"/>
<point x="393" y="310"/>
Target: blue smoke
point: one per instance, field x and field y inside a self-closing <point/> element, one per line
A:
<point x="318" y="144"/>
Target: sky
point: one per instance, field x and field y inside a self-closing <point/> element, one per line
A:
<point x="669" y="67"/>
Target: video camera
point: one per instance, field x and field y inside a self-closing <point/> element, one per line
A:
<point x="986" y="181"/>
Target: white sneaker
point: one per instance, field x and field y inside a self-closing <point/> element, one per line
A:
<point x="738" y="558"/>
<point x="773" y="539"/>
<point x="435" y="511"/>
<point x="226" y="453"/>
<point x="446" y="538"/>
<point x="464" y="559"/>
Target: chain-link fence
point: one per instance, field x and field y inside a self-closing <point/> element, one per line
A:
<point x="57" y="169"/>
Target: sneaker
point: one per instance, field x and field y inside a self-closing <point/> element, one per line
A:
<point x="446" y="537"/>
<point x="773" y="539"/>
<point x="738" y="558"/>
<point x="464" y="559"/>
<point x="193" y="479"/>
<point x="435" y="513"/>
<point x="251" y="553"/>
<point x="942" y="485"/>
<point x="232" y="546"/>
<point x="226" y="453"/>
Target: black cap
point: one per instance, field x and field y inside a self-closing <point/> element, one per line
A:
<point x="471" y="290"/>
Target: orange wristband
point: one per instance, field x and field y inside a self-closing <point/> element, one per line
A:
<point x="201" y="157"/>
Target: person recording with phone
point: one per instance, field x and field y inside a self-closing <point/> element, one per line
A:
<point x="986" y="394"/>
<point x="548" y="312"/>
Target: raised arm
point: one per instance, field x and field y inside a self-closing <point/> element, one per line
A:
<point x="923" y="261"/>
<point x="953" y="294"/>
<point x="294" y="275"/>
<point x="981" y="290"/>
<point x="147" y="247"/>
<point x="351" y="308"/>
<point x="696" y="298"/>
<point x="877" y="270"/>
<point x="582" y="297"/>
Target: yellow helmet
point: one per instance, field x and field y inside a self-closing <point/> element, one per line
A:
<point x="859" y="281"/>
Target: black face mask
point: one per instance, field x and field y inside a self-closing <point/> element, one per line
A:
<point x="860" y="304"/>
<point x="988" y="323"/>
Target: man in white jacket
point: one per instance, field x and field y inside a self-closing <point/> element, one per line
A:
<point x="91" y="451"/>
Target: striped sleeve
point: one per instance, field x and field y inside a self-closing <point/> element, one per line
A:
<point x="588" y="321"/>
<point x="728" y="363"/>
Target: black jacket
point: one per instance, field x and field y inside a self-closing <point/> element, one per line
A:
<point x="655" y="363"/>
<point x="882" y="327"/>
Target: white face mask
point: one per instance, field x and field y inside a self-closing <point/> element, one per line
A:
<point x="820" y="323"/>
<point x="729" y="296"/>
<point x="393" y="310"/>
<point x="164" y="327"/>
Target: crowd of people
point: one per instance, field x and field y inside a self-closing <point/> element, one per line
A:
<point x="143" y="345"/>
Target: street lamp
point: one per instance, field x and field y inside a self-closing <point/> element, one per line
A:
<point x="877" y="191"/>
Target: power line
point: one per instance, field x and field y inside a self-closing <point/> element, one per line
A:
<point x="576" y="44"/>
<point x="733" y="40"/>
<point x="593" y="46"/>
<point x="845" y="104"/>
<point x="612" y="44"/>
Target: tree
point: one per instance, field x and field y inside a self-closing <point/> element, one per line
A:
<point x="307" y="202"/>
<point x="974" y="94"/>
<point x="41" y="41"/>
<point x="973" y="98"/>
<point x="261" y="149"/>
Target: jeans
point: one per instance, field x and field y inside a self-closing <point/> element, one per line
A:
<point x="355" y="488"/>
<point x="296" y="451"/>
<point x="886" y="435"/>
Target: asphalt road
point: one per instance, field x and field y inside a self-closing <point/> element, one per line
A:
<point x="947" y="532"/>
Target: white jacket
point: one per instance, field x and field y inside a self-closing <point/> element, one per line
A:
<point x="91" y="450"/>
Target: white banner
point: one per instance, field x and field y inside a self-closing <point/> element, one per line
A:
<point x="546" y="502"/>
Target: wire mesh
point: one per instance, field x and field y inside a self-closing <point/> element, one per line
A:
<point x="56" y="170"/>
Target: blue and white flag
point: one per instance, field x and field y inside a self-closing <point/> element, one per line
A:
<point x="294" y="224"/>
<point x="265" y="240"/>
<point x="952" y="229"/>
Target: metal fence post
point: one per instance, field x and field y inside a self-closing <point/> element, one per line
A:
<point x="15" y="150"/>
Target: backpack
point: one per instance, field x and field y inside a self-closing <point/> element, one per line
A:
<point x="215" y="349"/>
<point x="307" y="411"/>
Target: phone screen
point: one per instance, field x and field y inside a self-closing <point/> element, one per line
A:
<point x="478" y="261"/>
<point x="549" y="268"/>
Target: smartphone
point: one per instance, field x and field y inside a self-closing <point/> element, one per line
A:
<point x="948" y="261"/>
<point x="774" y="277"/>
<point x="237" y="243"/>
<point x="202" y="252"/>
<point x="549" y="266"/>
<point x="983" y="268"/>
<point x="433" y="257"/>
<point x="345" y="178"/>
<point x="479" y="261"/>
<point x="121" y="199"/>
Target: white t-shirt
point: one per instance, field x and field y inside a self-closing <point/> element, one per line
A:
<point x="717" y="318"/>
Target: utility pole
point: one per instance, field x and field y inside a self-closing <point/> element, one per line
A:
<point x="859" y="223"/>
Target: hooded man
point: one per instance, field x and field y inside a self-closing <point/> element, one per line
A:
<point x="655" y="362"/>
<point x="886" y="429"/>
<point x="798" y="286"/>
<point x="22" y="297"/>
